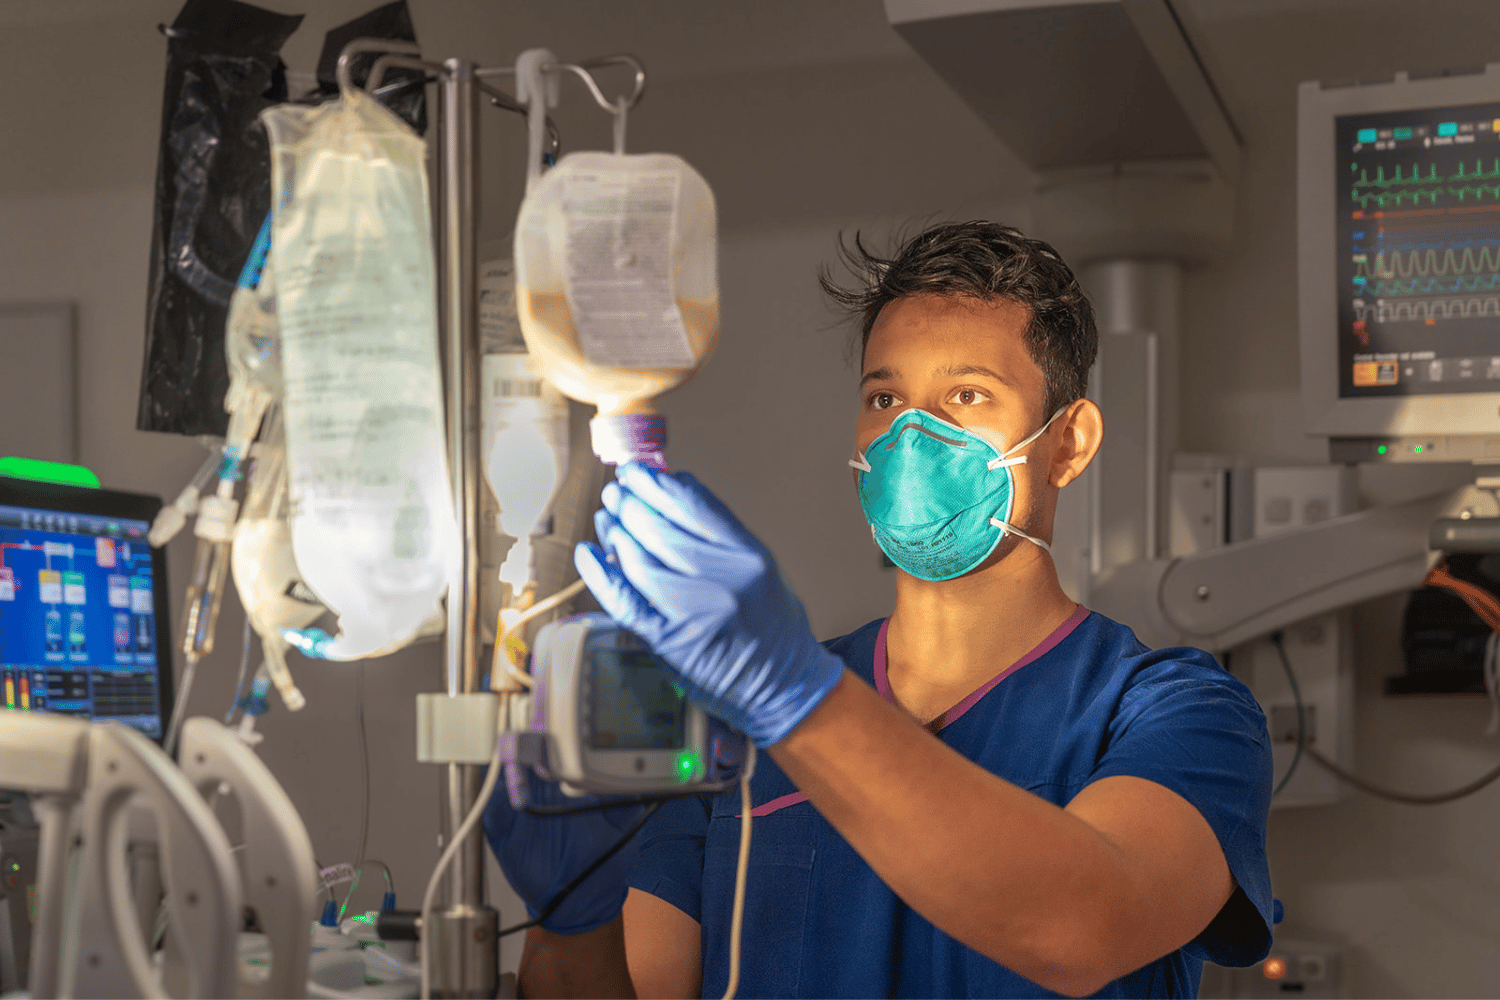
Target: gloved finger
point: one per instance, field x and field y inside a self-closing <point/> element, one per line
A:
<point x="610" y="495"/>
<point x="645" y="573"/>
<point x="664" y="539"/>
<point x="614" y="592"/>
<point x="684" y="501"/>
<point x="602" y="520"/>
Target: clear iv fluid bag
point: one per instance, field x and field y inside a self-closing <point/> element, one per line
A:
<point x="372" y="514"/>
<point x="617" y="277"/>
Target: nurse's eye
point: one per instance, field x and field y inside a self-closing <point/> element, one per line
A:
<point x="969" y="397"/>
<point x="882" y="400"/>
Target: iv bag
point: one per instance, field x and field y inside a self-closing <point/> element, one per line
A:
<point x="373" y="527"/>
<point x="617" y="277"/>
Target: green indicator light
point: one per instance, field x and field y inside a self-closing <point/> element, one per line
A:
<point x="15" y="866"/>
<point x="1448" y="128"/>
<point x="1381" y="450"/>
<point x="1417" y="448"/>
<point x="38" y="471"/>
<point x="687" y="765"/>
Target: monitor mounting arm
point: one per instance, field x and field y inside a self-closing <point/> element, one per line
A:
<point x="1225" y="596"/>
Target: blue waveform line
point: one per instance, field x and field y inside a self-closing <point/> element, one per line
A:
<point x="1431" y="286"/>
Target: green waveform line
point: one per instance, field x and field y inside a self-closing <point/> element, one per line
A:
<point x="1425" y="263"/>
<point x="1431" y="286"/>
<point x="1461" y="183"/>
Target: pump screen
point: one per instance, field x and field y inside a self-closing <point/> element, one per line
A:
<point x="1418" y="202"/>
<point x="632" y="702"/>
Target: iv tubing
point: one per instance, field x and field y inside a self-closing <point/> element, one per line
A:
<point x="454" y="843"/>
<point x="741" y="876"/>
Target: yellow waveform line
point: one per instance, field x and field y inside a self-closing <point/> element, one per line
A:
<point x="1422" y="263"/>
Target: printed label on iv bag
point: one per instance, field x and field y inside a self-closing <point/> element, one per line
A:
<point x="499" y="327"/>
<point x="620" y="230"/>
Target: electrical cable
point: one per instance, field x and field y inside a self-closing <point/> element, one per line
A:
<point x="563" y="893"/>
<point x="610" y="803"/>
<point x="1370" y="788"/>
<point x="1479" y="600"/>
<point x="364" y="788"/>
<point x="1434" y="799"/>
<point x="446" y="858"/>
<point x="239" y="687"/>
<point x="1279" y="641"/>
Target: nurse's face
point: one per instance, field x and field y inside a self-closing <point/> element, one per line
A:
<point x="960" y="359"/>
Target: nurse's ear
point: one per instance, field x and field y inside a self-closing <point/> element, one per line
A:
<point x="1078" y="442"/>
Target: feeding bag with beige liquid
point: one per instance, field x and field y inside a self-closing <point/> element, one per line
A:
<point x="617" y="289"/>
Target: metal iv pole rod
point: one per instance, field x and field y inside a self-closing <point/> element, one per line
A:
<point x="462" y="947"/>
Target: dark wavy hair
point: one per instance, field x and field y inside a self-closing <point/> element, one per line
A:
<point x="985" y="261"/>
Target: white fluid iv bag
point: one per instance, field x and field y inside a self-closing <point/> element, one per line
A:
<point x="617" y="284"/>
<point x="373" y="525"/>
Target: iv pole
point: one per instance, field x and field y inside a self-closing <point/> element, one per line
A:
<point x="463" y="947"/>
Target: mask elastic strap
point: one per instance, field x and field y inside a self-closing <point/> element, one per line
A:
<point x="859" y="463"/>
<point x="1039" y="432"/>
<point x="1000" y="463"/>
<point x="1010" y="529"/>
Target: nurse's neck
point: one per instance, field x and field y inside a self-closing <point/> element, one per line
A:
<point x="946" y="638"/>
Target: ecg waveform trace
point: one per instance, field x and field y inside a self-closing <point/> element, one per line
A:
<point x="1427" y="187"/>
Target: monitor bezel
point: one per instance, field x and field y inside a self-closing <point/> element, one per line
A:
<point x="1325" y="412"/>
<point x="112" y="503"/>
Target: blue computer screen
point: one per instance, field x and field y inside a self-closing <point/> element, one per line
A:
<point x="78" y="630"/>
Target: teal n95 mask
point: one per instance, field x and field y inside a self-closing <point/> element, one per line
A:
<point x="938" y="496"/>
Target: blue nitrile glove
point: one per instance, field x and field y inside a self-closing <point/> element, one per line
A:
<point x="706" y="595"/>
<point x="541" y="854"/>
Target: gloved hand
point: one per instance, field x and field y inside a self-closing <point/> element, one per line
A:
<point x="706" y="595"/>
<point x="540" y="855"/>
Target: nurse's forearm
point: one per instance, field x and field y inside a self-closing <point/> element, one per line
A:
<point x="591" y="964"/>
<point x="1007" y="873"/>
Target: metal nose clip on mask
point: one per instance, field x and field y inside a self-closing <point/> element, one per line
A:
<point x="938" y="496"/>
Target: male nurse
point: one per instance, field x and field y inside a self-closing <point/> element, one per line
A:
<point x="994" y="791"/>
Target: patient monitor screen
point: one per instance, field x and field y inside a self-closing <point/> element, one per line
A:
<point x="78" y="631"/>
<point x="1418" y="196"/>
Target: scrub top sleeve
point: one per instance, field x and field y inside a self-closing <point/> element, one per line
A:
<point x="1189" y="726"/>
<point x="670" y="865"/>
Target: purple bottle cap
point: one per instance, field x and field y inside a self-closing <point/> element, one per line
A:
<point x="630" y="437"/>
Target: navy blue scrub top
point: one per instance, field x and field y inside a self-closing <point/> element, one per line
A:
<point x="1088" y="703"/>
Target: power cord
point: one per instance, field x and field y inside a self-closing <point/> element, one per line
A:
<point x="1279" y="641"/>
<point x="1368" y="787"/>
<point x="615" y="848"/>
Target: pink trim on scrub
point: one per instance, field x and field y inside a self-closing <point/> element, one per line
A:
<point x="883" y="684"/>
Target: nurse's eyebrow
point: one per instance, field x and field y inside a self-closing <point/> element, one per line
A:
<point x="879" y="375"/>
<point x="955" y="371"/>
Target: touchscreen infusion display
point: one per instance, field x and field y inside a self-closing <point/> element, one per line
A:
<point x="632" y="702"/>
